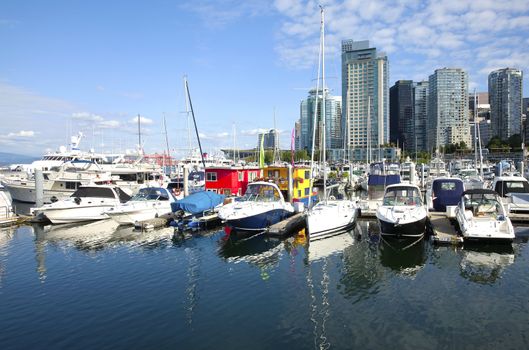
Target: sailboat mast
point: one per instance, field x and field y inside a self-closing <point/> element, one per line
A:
<point x="323" y="115"/>
<point x="187" y="117"/>
<point x="195" y="123"/>
<point x="166" y="140"/>
<point x="139" y="135"/>
<point x="315" y="122"/>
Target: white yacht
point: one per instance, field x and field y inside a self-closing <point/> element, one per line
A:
<point x="148" y="203"/>
<point x="261" y="206"/>
<point x="481" y="216"/>
<point x="402" y="213"/>
<point x="59" y="183"/>
<point x="88" y="203"/>
<point x="7" y="214"/>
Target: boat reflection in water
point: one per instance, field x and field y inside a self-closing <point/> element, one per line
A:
<point x="485" y="264"/>
<point x="258" y="250"/>
<point x="320" y="253"/>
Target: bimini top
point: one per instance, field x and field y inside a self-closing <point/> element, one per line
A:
<point x="480" y="191"/>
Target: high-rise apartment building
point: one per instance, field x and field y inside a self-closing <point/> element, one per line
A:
<point x="505" y="97"/>
<point x="420" y="114"/>
<point x="365" y="92"/>
<point x="333" y="120"/>
<point x="271" y="140"/>
<point x="401" y="121"/>
<point x="448" y="108"/>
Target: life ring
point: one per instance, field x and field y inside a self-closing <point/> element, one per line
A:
<point x="176" y="191"/>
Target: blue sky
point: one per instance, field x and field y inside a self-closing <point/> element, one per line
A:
<point x="92" y="66"/>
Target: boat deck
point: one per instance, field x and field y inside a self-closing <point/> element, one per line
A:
<point x="443" y="231"/>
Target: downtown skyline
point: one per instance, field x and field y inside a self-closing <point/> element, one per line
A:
<point x="93" y="67"/>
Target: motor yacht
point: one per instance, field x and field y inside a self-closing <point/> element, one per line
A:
<point x="402" y="213"/>
<point x="86" y="204"/>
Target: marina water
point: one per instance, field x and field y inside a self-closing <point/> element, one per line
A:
<point x="95" y="286"/>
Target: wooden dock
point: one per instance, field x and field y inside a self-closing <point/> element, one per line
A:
<point x="443" y="232"/>
<point x="288" y="226"/>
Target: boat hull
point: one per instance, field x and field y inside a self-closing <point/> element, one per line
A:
<point x="409" y="229"/>
<point x="329" y="218"/>
<point x="77" y="214"/>
<point x="259" y="222"/>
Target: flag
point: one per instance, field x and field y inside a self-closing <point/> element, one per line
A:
<point x="261" y="153"/>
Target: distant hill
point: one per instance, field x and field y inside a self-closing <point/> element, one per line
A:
<point x="11" y="158"/>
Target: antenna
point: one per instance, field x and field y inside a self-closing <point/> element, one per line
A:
<point x="139" y="135"/>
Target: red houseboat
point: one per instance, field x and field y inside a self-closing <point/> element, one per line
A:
<point x="230" y="180"/>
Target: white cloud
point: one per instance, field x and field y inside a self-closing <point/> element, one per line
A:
<point x="253" y="132"/>
<point x="143" y="120"/>
<point x="473" y="35"/>
<point x="89" y="117"/>
<point x="109" y="124"/>
<point x="21" y="133"/>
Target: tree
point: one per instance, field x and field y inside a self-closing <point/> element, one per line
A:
<point x="515" y="141"/>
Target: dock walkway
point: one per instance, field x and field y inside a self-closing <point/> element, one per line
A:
<point x="443" y="230"/>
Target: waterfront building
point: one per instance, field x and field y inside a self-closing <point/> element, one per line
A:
<point x="297" y="135"/>
<point x="484" y="132"/>
<point x="448" y="108"/>
<point x="482" y="101"/>
<point x="420" y="114"/>
<point x="401" y="121"/>
<point x="505" y="96"/>
<point x="271" y="140"/>
<point x="230" y="180"/>
<point x="333" y="123"/>
<point x="364" y="85"/>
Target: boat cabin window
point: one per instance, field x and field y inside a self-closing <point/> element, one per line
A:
<point x="506" y="187"/>
<point x="123" y="196"/>
<point x="402" y="196"/>
<point x="196" y="176"/>
<point x="100" y="192"/>
<point x="72" y="185"/>
<point x="261" y="193"/>
<point x="150" y="194"/>
<point x="448" y="186"/>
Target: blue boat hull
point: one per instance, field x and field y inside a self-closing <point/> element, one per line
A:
<point x="260" y="221"/>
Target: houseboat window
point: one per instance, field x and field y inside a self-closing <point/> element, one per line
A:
<point x="241" y="175"/>
<point x="252" y="176"/>
<point x="307" y="174"/>
<point x="307" y="191"/>
<point x="227" y="192"/>
<point x="211" y="176"/>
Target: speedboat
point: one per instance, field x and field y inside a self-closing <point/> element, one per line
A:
<point x="328" y="217"/>
<point x="88" y="203"/>
<point x="7" y="214"/>
<point x="148" y="203"/>
<point x="402" y="213"/>
<point x="514" y="193"/>
<point x="481" y="216"/>
<point x="262" y="205"/>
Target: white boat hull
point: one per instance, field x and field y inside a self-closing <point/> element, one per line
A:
<point x="130" y="213"/>
<point x="330" y="217"/>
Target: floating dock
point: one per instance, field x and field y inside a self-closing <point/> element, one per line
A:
<point x="443" y="232"/>
<point x="150" y="224"/>
<point x="288" y="226"/>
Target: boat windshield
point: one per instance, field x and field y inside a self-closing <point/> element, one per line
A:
<point x="402" y="196"/>
<point x="483" y="205"/>
<point x="261" y="193"/>
<point x="98" y="192"/>
<point x="150" y="194"/>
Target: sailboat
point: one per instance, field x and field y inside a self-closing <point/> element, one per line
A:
<point x="328" y="217"/>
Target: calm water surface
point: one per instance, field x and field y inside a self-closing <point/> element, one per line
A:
<point x="95" y="286"/>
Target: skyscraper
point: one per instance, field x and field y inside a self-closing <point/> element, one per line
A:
<point x="333" y="111"/>
<point x="271" y="140"/>
<point x="420" y="114"/>
<point x="448" y="108"/>
<point x="364" y="84"/>
<point x="401" y="121"/>
<point x="505" y="97"/>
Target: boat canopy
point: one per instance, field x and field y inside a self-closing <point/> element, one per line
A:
<point x="198" y="202"/>
<point x="446" y="191"/>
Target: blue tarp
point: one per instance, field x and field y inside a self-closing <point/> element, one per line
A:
<point x="198" y="202"/>
<point x="446" y="192"/>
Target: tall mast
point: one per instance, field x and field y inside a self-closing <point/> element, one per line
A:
<point x="139" y="135"/>
<point x="315" y="119"/>
<point x="187" y="117"/>
<point x="166" y="140"/>
<point x="194" y="122"/>
<point x="323" y="115"/>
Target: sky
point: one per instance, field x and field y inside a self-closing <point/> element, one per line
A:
<point x="94" y="66"/>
